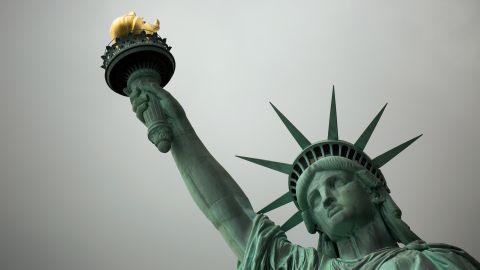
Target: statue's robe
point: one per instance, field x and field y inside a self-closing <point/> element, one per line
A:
<point x="268" y="248"/>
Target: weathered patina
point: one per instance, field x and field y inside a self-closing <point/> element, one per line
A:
<point x="340" y="192"/>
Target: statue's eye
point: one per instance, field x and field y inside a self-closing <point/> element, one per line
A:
<point x="315" y="199"/>
<point x="340" y="181"/>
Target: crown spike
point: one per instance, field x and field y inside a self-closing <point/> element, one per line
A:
<point x="292" y="221"/>
<point x="297" y="135"/>
<point x="277" y="166"/>
<point x="282" y="200"/>
<point x="332" y="125"/>
<point x="363" y="139"/>
<point x="387" y="156"/>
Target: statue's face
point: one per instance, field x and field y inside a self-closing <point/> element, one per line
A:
<point x="338" y="203"/>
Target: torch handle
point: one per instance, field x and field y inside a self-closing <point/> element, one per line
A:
<point x="159" y="131"/>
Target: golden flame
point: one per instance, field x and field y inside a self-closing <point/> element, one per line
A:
<point x="131" y="23"/>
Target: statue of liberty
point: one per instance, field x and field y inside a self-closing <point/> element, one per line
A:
<point x="339" y="191"/>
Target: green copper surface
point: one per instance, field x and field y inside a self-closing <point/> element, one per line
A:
<point x="282" y="200"/>
<point x="344" y="199"/>
<point x="147" y="82"/>
<point x="387" y="156"/>
<point x="332" y="123"/>
<point x="297" y="135"/>
<point x="269" y="248"/>
<point x="292" y="221"/>
<point x="274" y="165"/>
<point x="363" y="139"/>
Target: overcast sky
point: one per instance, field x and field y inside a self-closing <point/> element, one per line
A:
<point x="81" y="187"/>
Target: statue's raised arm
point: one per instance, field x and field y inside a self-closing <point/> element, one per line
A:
<point x="138" y="64"/>
<point x="212" y="188"/>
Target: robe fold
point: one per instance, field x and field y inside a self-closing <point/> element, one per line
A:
<point x="269" y="248"/>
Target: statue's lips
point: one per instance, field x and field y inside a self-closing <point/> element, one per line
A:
<point x="332" y="211"/>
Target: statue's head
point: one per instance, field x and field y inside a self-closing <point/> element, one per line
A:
<point x="338" y="196"/>
<point x="337" y="187"/>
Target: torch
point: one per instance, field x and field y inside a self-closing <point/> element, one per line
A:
<point x="140" y="59"/>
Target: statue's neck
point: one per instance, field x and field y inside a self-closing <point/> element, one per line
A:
<point x="367" y="239"/>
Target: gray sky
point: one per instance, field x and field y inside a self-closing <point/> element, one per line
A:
<point x="81" y="187"/>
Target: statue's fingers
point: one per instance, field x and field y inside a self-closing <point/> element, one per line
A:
<point x="127" y="91"/>
<point x="138" y="101"/>
<point x="161" y="93"/>
<point x="133" y="92"/>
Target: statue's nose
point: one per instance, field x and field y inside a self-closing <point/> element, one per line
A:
<point x="327" y="196"/>
<point x="328" y="201"/>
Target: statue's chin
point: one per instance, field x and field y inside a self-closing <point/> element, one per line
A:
<point x="339" y="225"/>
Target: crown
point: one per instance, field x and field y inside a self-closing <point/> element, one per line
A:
<point x="332" y="146"/>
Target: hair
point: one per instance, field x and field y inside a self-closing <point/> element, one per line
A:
<point x="389" y="211"/>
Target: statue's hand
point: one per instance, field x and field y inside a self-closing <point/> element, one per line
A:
<point x="141" y="96"/>
<point x="152" y="103"/>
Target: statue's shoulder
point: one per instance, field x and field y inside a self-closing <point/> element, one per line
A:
<point x="446" y="248"/>
<point x="434" y="256"/>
